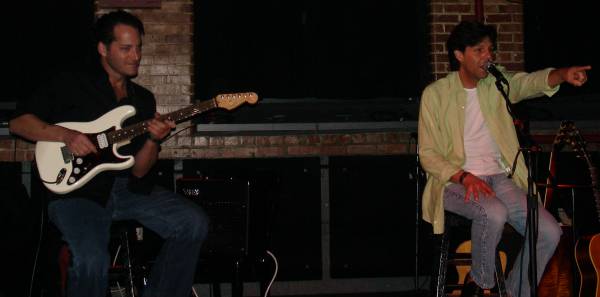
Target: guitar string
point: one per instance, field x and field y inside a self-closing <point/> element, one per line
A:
<point x="190" y="111"/>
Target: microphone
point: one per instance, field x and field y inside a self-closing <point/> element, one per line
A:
<point x="491" y="68"/>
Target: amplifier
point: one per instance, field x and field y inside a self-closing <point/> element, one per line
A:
<point x="226" y="202"/>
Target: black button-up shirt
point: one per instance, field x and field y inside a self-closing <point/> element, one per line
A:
<point x="83" y="96"/>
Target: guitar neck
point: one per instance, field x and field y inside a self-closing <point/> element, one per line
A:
<point x="138" y="129"/>
<point x="569" y="134"/>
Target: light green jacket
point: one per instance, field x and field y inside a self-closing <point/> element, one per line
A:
<point x="441" y="131"/>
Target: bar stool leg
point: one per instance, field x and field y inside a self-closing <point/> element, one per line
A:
<point x="129" y="266"/>
<point x="438" y="282"/>
<point x="500" y="277"/>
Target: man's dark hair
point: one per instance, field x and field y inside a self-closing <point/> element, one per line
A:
<point x="468" y="33"/>
<point x="106" y="23"/>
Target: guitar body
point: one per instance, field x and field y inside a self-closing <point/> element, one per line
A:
<point x="557" y="278"/>
<point x="587" y="253"/>
<point x="63" y="173"/>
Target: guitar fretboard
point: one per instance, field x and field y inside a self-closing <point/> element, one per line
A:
<point x="134" y="130"/>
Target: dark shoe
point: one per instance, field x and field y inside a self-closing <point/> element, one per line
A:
<point x="471" y="289"/>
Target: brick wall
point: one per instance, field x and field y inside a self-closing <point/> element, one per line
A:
<point x="506" y="15"/>
<point x="167" y="59"/>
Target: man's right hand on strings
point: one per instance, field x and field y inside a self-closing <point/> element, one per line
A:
<point x="78" y="143"/>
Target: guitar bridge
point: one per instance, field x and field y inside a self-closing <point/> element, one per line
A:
<point x="66" y="154"/>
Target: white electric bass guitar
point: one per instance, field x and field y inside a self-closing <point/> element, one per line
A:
<point x="62" y="172"/>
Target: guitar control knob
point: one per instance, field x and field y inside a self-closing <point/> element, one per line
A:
<point x="79" y="161"/>
<point x="76" y="170"/>
<point x="72" y="180"/>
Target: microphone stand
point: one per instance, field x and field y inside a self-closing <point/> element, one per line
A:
<point x="531" y="226"/>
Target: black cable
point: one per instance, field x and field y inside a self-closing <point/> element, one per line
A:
<point x="177" y="132"/>
<point x="37" y="251"/>
<point x="417" y="206"/>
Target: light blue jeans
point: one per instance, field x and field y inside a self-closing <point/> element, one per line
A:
<point x="488" y="217"/>
<point x="85" y="226"/>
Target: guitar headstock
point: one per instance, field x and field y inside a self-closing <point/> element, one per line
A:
<point x="233" y="100"/>
<point x="569" y="134"/>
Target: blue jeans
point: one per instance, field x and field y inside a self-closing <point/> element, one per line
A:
<point x="85" y="226"/>
<point x="488" y="217"/>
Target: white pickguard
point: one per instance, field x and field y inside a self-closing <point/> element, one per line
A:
<point x="49" y="155"/>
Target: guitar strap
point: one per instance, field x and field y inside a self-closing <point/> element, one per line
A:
<point x="551" y="180"/>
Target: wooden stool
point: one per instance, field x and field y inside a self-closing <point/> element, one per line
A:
<point x="444" y="257"/>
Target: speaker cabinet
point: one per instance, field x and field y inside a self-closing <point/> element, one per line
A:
<point x="284" y="212"/>
<point x="373" y="217"/>
<point x="226" y="203"/>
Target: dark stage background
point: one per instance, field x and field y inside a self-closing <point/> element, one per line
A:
<point x="39" y="40"/>
<point x="330" y="49"/>
<point x="559" y="35"/>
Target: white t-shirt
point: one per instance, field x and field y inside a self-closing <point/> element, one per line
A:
<point x="481" y="151"/>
